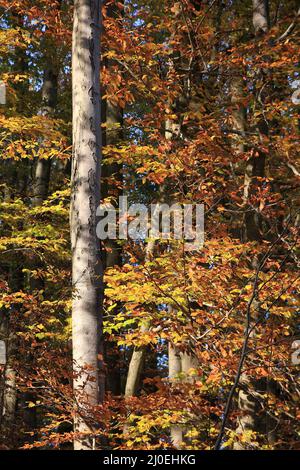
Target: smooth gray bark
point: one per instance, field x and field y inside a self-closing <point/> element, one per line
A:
<point x="260" y="17"/>
<point x="176" y="431"/>
<point x="85" y="198"/>
<point x="136" y="366"/>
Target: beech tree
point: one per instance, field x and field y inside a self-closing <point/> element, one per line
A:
<point x="85" y="198"/>
<point x="193" y="102"/>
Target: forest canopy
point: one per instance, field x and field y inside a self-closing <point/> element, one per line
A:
<point x="124" y="124"/>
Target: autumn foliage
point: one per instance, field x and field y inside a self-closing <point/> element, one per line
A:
<point x="207" y="118"/>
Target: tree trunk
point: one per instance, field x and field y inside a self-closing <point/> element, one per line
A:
<point x="176" y="431"/>
<point x="249" y="399"/>
<point x="135" y="367"/>
<point x="85" y="198"/>
<point x="43" y="166"/>
<point x="113" y="254"/>
<point x="8" y="385"/>
<point x="138" y="355"/>
<point x="256" y="165"/>
<point x="40" y="193"/>
<point x="180" y="363"/>
<point x="113" y="136"/>
<point x="260" y="17"/>
<point x="113" y="117"/>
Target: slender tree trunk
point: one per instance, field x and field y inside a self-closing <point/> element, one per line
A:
<point x="8" y="385"/>
<point x="42" y="178"/>
<point x="113" y="250"/>
<point x="113" y="117"/>
<point x="176" y="431"/>
<point x="136" y="366"/>
<point x="113" y="136"/>
<point x="256" y="165"/>
<point x="40" y="193"/>
<point x="9" y="399"/>
<point x="138" y="355"/>
<point x="85" y="198"/>
<point x="43" y="166"/>
<point x="249" y="397"/>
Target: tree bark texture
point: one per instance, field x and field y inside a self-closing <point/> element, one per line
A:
<point x="85" y="198"/>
